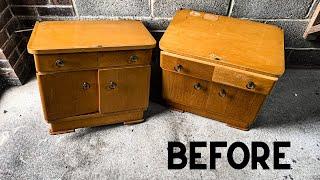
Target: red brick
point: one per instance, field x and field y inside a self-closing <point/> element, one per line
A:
<point x="3" y="37"/>
<point x="44" y="11"/>
<point x="5" y="18"/>
<point x="29" y="2"/>
<point x="23" y="11"/>
<point x="3" y="5"/>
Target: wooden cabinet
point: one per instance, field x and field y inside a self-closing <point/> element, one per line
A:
<point x="89" y="80"/>
<point x="220" y="67"/>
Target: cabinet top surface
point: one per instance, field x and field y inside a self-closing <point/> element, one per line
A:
<point x="244" y="44"/>
<point x="86" y="36"/>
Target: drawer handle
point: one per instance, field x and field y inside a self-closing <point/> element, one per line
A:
<point x="178" y="68"/>
<point x="59" y="63"/>
<point x="250" y="85"/>
<point x="85" y="86"/>
<point x="112" y="85"/>
<point x="222" y="93"/>
<point x="134" y="58"/>
<point x="197" y="86"/>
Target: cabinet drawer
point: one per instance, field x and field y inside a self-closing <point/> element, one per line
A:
<point x="186" y="67"/>
<point x="124" y="89"/>
<point x="124" y="58"/>
<point x="242" y="79"/>
<point x="64" y="62"/>
<point x="68" y="94"/>
<point x="184" y="90"/>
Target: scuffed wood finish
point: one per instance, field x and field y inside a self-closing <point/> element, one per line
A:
<point x="220" y="67"/>
<point x="130" y="88"/>
<point x="63" y="94"/>
<point x="85" y="36"/>
<point x="75" y="62"/>
<point x="242" y="44"/>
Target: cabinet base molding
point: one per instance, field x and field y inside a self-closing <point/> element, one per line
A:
<point x="232" y="122"/>
<point x="67" y="125"/>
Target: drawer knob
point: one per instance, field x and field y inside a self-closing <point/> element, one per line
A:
<point x="250" y="85"/>
<point x="85" y="86"/>
<point x="59" y="63"/>
<point x="112" y="85"/>
<point x="197" y="86"/>
<point x="222" y="93"/>
<point x="178" y="68"/>
<point x="134" y="58"/>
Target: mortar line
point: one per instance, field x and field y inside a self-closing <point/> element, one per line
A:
<point x="37" y="12"/>
<point x="297" y="48"/>
<point x="75" y="8"/>
<point x="230" y="7"/>
<point x="8" y="7"/>
<point x="46" y="6"/>
<point x="151" y="7"/>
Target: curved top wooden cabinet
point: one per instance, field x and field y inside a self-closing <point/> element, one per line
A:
<point x="92" y="73"/>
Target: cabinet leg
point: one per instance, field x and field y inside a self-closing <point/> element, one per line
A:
<point x="133" y="122"/>
<point x="60" y="132"/>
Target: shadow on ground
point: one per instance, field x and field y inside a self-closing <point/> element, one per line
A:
<point x="294" y="100"/>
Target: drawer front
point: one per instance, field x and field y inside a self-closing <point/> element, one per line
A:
<point x="65" y="62"/>
<point x="68" y="94"/>
<point x="184" y="90"/>
<point x="242" y="79"/>
<point x="124" y="89"/>
<point x="186" y="67"/>
<point x="124" y="58"/>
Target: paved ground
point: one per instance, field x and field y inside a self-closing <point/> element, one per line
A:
<point x="292" y="113"/>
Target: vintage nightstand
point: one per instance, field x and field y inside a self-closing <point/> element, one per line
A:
<point x="220" y="67"/>
<point x="92" y="73"/>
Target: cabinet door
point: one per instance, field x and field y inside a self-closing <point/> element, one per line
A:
<point x="68" y="93"/>
<point x="124" y="89"/>
<point x="233" y="102"/>
<point x="184" y="90"/>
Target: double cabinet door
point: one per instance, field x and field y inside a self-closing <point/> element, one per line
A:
<point x="66" y="94"/>
<point x="210" y="96"/>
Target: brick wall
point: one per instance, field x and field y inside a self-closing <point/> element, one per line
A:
<point x="291" y="15"/>
<point x="14" y="67"/>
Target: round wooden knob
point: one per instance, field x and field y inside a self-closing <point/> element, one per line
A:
<point x="134" y="58"/>
<point x="197" y="86"/>
<point x="250" y="85"/>
<point x="178" y="68"/>
<point x="59" y="63"/>
<point x="112" y="85"/>
<point x="85" y="86"/>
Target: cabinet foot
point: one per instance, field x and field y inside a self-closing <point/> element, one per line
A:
<point x="239" y="127"/>
<point x="133" y="122"/>
<point x="60" y="132"/>
<point x="176" y="109"/>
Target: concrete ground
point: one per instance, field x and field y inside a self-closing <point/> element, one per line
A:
<point x="27" y="151"/>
